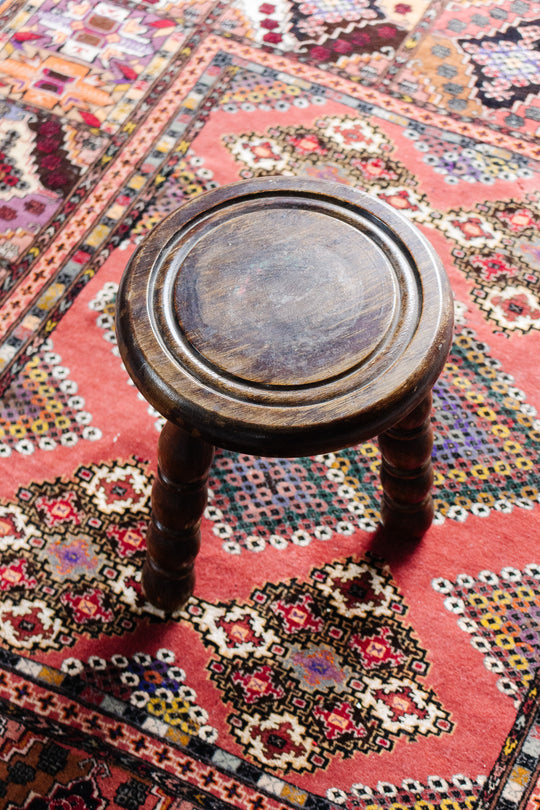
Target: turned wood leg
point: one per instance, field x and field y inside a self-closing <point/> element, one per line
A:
<point x="407" y="474"/>
<point x="179" y="497"/>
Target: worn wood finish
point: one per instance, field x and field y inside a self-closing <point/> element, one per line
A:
<point x="298" y="313"/>
<point x="287" y="317"/>
<point x="283" y="316"/>
<point x="179" y="495"/>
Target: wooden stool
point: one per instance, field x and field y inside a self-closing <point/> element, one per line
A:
<point x="282" y="317"/>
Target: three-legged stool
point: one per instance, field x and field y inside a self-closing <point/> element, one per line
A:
<point x="282" y="317"/>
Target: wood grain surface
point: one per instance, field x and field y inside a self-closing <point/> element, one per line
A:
<point x="284" y="316"/>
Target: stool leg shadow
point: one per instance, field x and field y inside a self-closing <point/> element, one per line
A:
<point x="180" y="492"/>
<point x="407" y="475"/>
<point x="179" y="497"/>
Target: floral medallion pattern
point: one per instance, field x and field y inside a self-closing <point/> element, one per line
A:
<point x="71" y="560"/>
<point x="320" y="668"/>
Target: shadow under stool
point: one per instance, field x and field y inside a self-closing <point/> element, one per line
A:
<point x="282" y="317"/>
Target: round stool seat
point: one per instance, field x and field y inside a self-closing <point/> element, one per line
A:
<point x="282" y="317"/>
<point x="285" y="317"/>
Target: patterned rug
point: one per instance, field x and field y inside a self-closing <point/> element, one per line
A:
<point x="316" y="666"/>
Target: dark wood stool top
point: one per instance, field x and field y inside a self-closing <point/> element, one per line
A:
<point x="285" y="317"/>
<point x="282" y="317"/>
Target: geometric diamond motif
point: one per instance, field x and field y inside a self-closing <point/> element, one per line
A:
<point x="350" y="149"/>
<point x="320" y="668"/>
<point x="42" y="160"/>
<point x="42" y="409"/>
<point x="507" y="65"/>
<point x="356" y="36"/>
<point x="143" y="686"/>
<point x="501" y="613"/>
<point x="497" y="247"/>
<point x="411" y="794"/>
<point x="475" y="61"/>
<point x="71" y="552"/>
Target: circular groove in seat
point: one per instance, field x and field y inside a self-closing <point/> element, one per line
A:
<point x="276" y="301"/>
<point x="284" y="306"/>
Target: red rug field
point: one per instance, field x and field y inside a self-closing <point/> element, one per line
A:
<point x="316" y="666"/>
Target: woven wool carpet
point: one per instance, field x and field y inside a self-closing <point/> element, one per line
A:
<point x="316" y="666"/>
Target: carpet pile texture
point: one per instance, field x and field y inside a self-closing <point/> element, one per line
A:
<point x="316" y="666"/>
